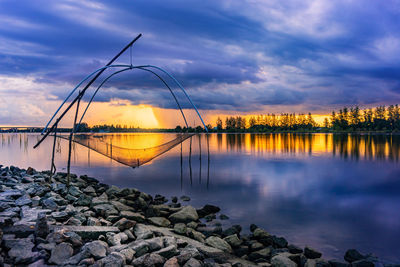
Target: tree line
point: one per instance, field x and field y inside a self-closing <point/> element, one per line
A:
<point x="381" y="118"/>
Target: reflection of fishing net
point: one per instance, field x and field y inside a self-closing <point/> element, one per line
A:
<point x="133" y="157"/>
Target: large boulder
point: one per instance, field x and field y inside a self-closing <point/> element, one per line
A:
<point x="233" y="240"/>
<point x="353" y="255"/>
<point x="311" y="253"/>
<point x="133" y="216"/>
<point x="114" y="259"/>
<point x="149" y="260"/>
<point x="97" y="249"/>
<point x="61" y="253"/>
<point x="159" y="221"/>
<point x="185" y="215"/>
<point x="282" y="261"/>
<point x="207" y="209"/>
<point x="21" y="250"/>
<point x="219" y="243"/>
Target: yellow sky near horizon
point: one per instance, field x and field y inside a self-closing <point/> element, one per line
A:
<point x="146" y="116"/>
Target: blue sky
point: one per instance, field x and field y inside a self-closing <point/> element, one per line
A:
<point x="232" y="56"/>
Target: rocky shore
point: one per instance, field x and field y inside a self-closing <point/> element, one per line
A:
<point x="94" y="224"/>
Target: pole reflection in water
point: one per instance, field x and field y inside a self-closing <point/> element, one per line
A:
<point x="199" y="158"/>
<point x="181" y="168"/>
<point x="190" y="162"/>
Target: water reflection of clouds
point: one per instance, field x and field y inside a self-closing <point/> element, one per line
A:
<point x="332" y="202"/>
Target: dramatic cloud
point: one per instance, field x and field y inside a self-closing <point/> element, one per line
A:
<point x="245" y="56"/>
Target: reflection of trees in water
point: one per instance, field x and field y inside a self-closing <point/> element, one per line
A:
<point x="354" y="147"/>
<point x="235" y="142"/>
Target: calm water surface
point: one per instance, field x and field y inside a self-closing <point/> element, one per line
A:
<point x="331" y="192"/>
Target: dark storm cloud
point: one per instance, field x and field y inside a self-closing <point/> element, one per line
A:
<point x="229" y="55"/>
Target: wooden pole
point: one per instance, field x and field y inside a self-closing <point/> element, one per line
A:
<point x="84" y="90"/>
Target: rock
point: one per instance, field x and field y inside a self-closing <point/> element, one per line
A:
<point x="353" y="255"/>
<point x="259" y="233"/>
<point x="218" y="243"/>
<point x="50" y="204"/>
<point x="89" y="190"/>
<point x="39" y="263"/>
<point x="207" y="209"/>
<point x="87" y="262"/>
<point x="180" y="228"/>
<point x="73" y="221"/>
<point x="128" y="254"/>
<point x="105" y="210"/>
<point x="120" y="206"/>
<point x="102" y="199"/>
<point x="155" y="243"/>
<point x="294" y="249"/>
<point x="115" y="259"/>
<point x="210" y="230"/>
<point x="196" y="235"/>
<point x="21" y="250"/>
<point x="192" y="225"/>
<point x="185" y="198"/>
<point x="311" y="253"/>
<point x="41" y="226"/>
<point x="279" y="242"/>
<point x="261" y="254"/>
<point x="129" y="234"/>
<point x="362" y="263"/>
<point x="97" y="249"/>
<point x="91" y="221"/>
<point x="23" y="201"/>
<point x="83" y="200"/>
<point x="253" y="227"/>
<point x="281" y="261"/>
<point x="74" y="191"/>
<point x="234" y="229"/>
<point x="57" y="236"/>
<point x="149" y="260"/>
<point x="113" y="190"/>
<point x="193" y="263"/>
<point x="113" y="239"/>
<point x="60" y="215"/>
<point x="254" y="245"/>
<point x="169" y="240"/>
<point x="168" y="252"/>
<point x="141" y="247"/>
<point x="30" y="171"/>
<point x="233" y="240"/>
<point x="30" y="214"/>
<point x="174" y="199"/>
<point x="172" y="262"/>
<point x="142" y="232"/>
<point x="74" y="239"/>
<point x="88" y="232"/>
<point x="133" y="216"/>
<point x="187" y="253"/>
<point x="35" y="201"/>
<point x="13" y="193"/>
<point x="61" y="253"/>
<point x="124" y="223"/>
<point x="159" y="221"/>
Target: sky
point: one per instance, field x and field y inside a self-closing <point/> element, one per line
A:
<point x="232" y="57"/>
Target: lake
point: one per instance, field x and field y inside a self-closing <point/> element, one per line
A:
<point x="331" y="192"/>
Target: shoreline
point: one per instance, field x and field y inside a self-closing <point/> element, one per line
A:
<point x="96" y="224"/>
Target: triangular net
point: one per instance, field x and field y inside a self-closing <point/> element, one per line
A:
<point x="133" y="157"/>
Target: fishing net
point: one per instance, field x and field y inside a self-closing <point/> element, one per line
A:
<point x="133" y="157"/>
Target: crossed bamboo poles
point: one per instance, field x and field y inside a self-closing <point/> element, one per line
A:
<point x="53" y="129"/>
